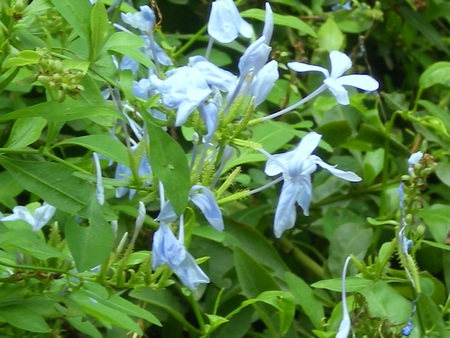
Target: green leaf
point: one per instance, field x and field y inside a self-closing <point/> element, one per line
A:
<point x="438" y="72"/>
<point x="305" y="297"/>
<point x="7" y="77"/>
<point x="77" y="14"/>
<point x="127" y="44"/>
<point x="25" y="58"/>
<point x="436" y="218"/>
<point x="21" y="316"/>
<point x="99" y="29"/>
<point x="384" y="301"/>
<point x="373" y="164"/>
<point x="103" y="144"/>
<point x="89" y="245"/>
<point x="114" y="301"/>
<point x="352" y="284"/>
<point x="169" y="164"/>
<point x="280" y="20"/>
<point x="9" y="188"/>
<point x="69" y="110"/>
<point x="52" y="182"/>
<point x="253" y="277"/>
<point x="103" y="312"/>
<point x="330" y="36"/>
<point x="25" y="131"/>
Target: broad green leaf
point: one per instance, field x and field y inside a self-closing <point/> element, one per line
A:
<point x="115" y="301"/>
<point x="24" y="58"/>
<point x="89" y="245"/>
<point x="384" y="301"/>
<point x="280" y="20"/>
<point x="282" y="301"/>
<point x="77" y="14"/>
<point x="163" y="299"/>
<point x="9" y="188"/>
<point x="52" y="182"/>
<point x="436" y="245"/>
<point x="7" y="77"/>
<point x="169" y="164"/>
<point x="25" y="131"/>
<point x="37" y="6"/>
<point x="253" y="277"/>
<point x="29" y="243"/>
<point x="84" y="326"/>
<point x="105" y="145"/>
<point x="436" y="218"/>
<point x="304" y="296"/>
<point x="69" y="110"/>
<point x="373" y="164"/>
<point x="99" y="29"/>
<point x="127" y="44"/>
<point x="21" y="316"/>
<point x="330" y="36"/>
<point x="437" y="73"/>
<point x="103" y="312"/>
<point x="352" y="284"/>
<point x="348" y="239"/>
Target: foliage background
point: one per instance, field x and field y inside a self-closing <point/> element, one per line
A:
<point x="260" y="286"/>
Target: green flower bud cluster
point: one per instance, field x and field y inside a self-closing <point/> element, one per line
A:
<point x="60" y="81"/>
<point x="54" y="23"/>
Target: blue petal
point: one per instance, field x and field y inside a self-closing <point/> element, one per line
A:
<point x="204" y="199"/>
<point x="254" y="57"/>
<point x="285" y="214"/>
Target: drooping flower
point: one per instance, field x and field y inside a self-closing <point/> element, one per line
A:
<point x="344" y="327"/>
<point x="204" y="199"/>
<point x="225" y="22"/>
<point x="143" y="20"/>
<point x="40" y="217"/>
<point x="167" y="249"/>
<point x="336" y="81"/>
<point x="254" y="57"/>
<point x="264" y="81"/>
<point x="296" y="166"/>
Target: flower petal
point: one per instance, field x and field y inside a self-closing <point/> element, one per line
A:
<point x="254" y="57"/>
<point x="190" y="273"/>
<point x="204" y="199"/>
<point x="340" y="63"/>
<point x="361" y="81"/>
<point x="339" y="92"/>
<point x="268" y="24"/>
<point x="42" y="215"/>
<point x="264" y="82"/>
<point x="285" y="214"/>
<point x="304" y="194"/>
<point x="166" y="214"/>
<point x="306" y="67"/>
<point x="345" y="175"/>
<point x="224" y="21"/>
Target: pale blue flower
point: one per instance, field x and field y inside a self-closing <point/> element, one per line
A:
<point x="413" y="160"/>
<point x="335" y="81"/>
<point x="204" y="199"/>
<point x="254" y="57"/>
<point x="296" y="166"/>
<point x="184" y="89"/>
<point x="40" y="217"/>
<point x="167" y="249"/>
<point x="143" y="20"/>
<point x="264" y="81"/>
<point x="225" y="23"/>
<point x="214" y="76"/>
<point x="209" y="111"/>
<point x="268" y="24"/>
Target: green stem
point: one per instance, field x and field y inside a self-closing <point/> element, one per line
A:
<point x="190" y="42"/>
<point x="197" y="312"/>
<point x="302" y="258"/>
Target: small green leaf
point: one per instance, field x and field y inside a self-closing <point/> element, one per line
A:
<point x="437" y="73"/>
<point x="127" y="44"/>
<point x="21" y="316"/>
<point x="25" y="58"/>
<point x="25" y="131"/>
<point x="280" y="20"/>
<point x="77" y="14"/>
<point x="89" y="245"/>
<point x="103" y="144"/>
<point x="169" y="164"/>
<point x="436" y="218"/>
<point x="99" y="29"/>
<point x="330" y="36"/>
<point x="352" y="284"/>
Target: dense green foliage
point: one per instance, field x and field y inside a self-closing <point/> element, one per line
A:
<point x="82" y="276"/>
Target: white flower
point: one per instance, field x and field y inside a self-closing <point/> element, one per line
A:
<point x="37" y="220"/>
<point x="335" y="81"/>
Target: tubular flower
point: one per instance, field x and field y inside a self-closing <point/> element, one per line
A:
<point x="37" y="220"/>
<point x="335" y="81"/>
<point x="296" y="166"/>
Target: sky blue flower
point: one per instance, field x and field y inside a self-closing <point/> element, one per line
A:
<point x="264" y="81"/>
<point x="413" y="160"/>
<point x="184" y="89"/>
<point x="40" y="217"/>
<point x="214" y="76"/>
<point x="124" y="173"/>
<point x="143" y="20"/>
<point x="204" y="199"/>
<point x="225" y="22"/>
<point x="335" y="81"/>
<point x="167" y="249"/>
<point x="254" y="57"/>
<point x="209" y="111"/>
<point x="296" y="166"/>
